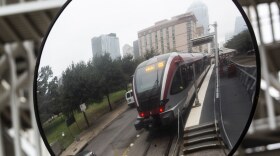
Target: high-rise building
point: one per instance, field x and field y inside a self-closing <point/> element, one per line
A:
<point x="200" y="10"/>
<point x="136" y="49"/>
<point x="203" y="47"/>
<point x="127" y="50"/>
<point x="169" y="35"/>
<point x="106" y="44"/>
<point x="240" y="25"/>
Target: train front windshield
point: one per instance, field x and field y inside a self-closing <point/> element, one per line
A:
<point x="148" y="78"/>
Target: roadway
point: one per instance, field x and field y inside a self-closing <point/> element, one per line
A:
<point x="115" y="138"/>
<point x="121" y="138"/>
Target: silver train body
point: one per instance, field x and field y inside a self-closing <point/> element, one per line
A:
<point x="165" y="84"/>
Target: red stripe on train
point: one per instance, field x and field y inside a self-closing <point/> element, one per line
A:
<point x="170" y="72"/>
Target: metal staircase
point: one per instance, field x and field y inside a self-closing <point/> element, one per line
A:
<point x="202" y="138"/>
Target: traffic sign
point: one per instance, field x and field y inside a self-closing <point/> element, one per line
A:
<point x="83" y="107"/>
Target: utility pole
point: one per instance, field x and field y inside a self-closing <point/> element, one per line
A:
<point x="86" y="118"/>
<point x="217" y="59"/>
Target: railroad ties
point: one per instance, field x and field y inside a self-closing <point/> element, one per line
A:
<point x="202" y="139"/>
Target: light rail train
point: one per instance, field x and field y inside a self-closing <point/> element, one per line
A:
<point x="165" y="84"/>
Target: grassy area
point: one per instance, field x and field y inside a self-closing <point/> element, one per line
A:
<point x="53" y="130"/>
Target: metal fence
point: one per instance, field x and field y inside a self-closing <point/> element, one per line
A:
<point x="247" y="76"/>
<point x="219" y="121"/>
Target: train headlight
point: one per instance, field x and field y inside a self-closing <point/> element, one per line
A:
<point x="161" y="64"/>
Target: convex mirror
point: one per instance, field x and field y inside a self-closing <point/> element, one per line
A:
<point x="147" y="78"/>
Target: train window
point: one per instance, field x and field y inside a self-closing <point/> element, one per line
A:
<point x="152" y="76"/>
<point x="190" y="72"/>
<point x="179" y="82"/>
<point x="196" y="66"/>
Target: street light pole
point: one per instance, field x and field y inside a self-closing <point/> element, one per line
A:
<point x="216" y="58"/>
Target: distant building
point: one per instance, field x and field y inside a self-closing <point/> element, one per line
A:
<point x="136" y="49"/>
<point x="169" y="35"/>
<point x="203" y="47"/>
<point x="106" y="44"/>
<point x="240" y="25"/>
<point x="127" y="50"/>
<point x="200" y="10"/>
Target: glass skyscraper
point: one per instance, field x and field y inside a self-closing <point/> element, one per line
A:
<point x="106" y="44"/>
<point x="200" y="11"/>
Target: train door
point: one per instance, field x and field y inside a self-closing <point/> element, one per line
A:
<point x="196" y="72"/>
<point x="188" y="69"/>
<point x="180" y="86"/>
<point x="177" y="92"/>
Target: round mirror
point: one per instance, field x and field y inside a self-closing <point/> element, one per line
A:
<point x="147" y="77"/>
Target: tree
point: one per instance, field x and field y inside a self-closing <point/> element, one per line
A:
<point x="90" y="82"/>
<point x="127" y="65"/>
<point x="109" y="74"/>
<point x="43" y="102"/>
<point x="79" y="85"/>
<point x="54" y="96"/>
<point x="150" y="53"/>
<point x="242" y="42"/>
<point x="44" y="74"/>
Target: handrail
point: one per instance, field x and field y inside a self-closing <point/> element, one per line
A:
<point x="218" y="115"/>
<point x="247" y="76"/>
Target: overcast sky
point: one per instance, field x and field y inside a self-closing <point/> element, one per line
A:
<point x="70" y="39"/>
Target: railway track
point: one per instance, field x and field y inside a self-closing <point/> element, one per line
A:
<point x="160" y="143"/>
<point x="156" y="142"/>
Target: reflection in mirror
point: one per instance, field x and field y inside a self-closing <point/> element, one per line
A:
<point x="130" y="78"/>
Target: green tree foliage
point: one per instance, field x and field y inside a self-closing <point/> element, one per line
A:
<point x="241" y="42"/>
<point x="128" y="66"/>
<point x="53" y="96"/>
<point x="84" y="83"/>
<point x="150" y="53"/>
<point x="73" y="87"/>
<point x="47" y="93"/>
<point x="110" y="75"/>
<point x="44" y="74"/>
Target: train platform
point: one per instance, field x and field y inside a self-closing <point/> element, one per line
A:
<point x="200" y="131"/>
<point x="205" y="95"/>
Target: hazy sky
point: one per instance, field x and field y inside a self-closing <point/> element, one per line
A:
<point x="70" y="39"/>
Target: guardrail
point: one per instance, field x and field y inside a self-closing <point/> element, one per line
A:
<point x="219" y="122"/>
<point x="247" y="76"/>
